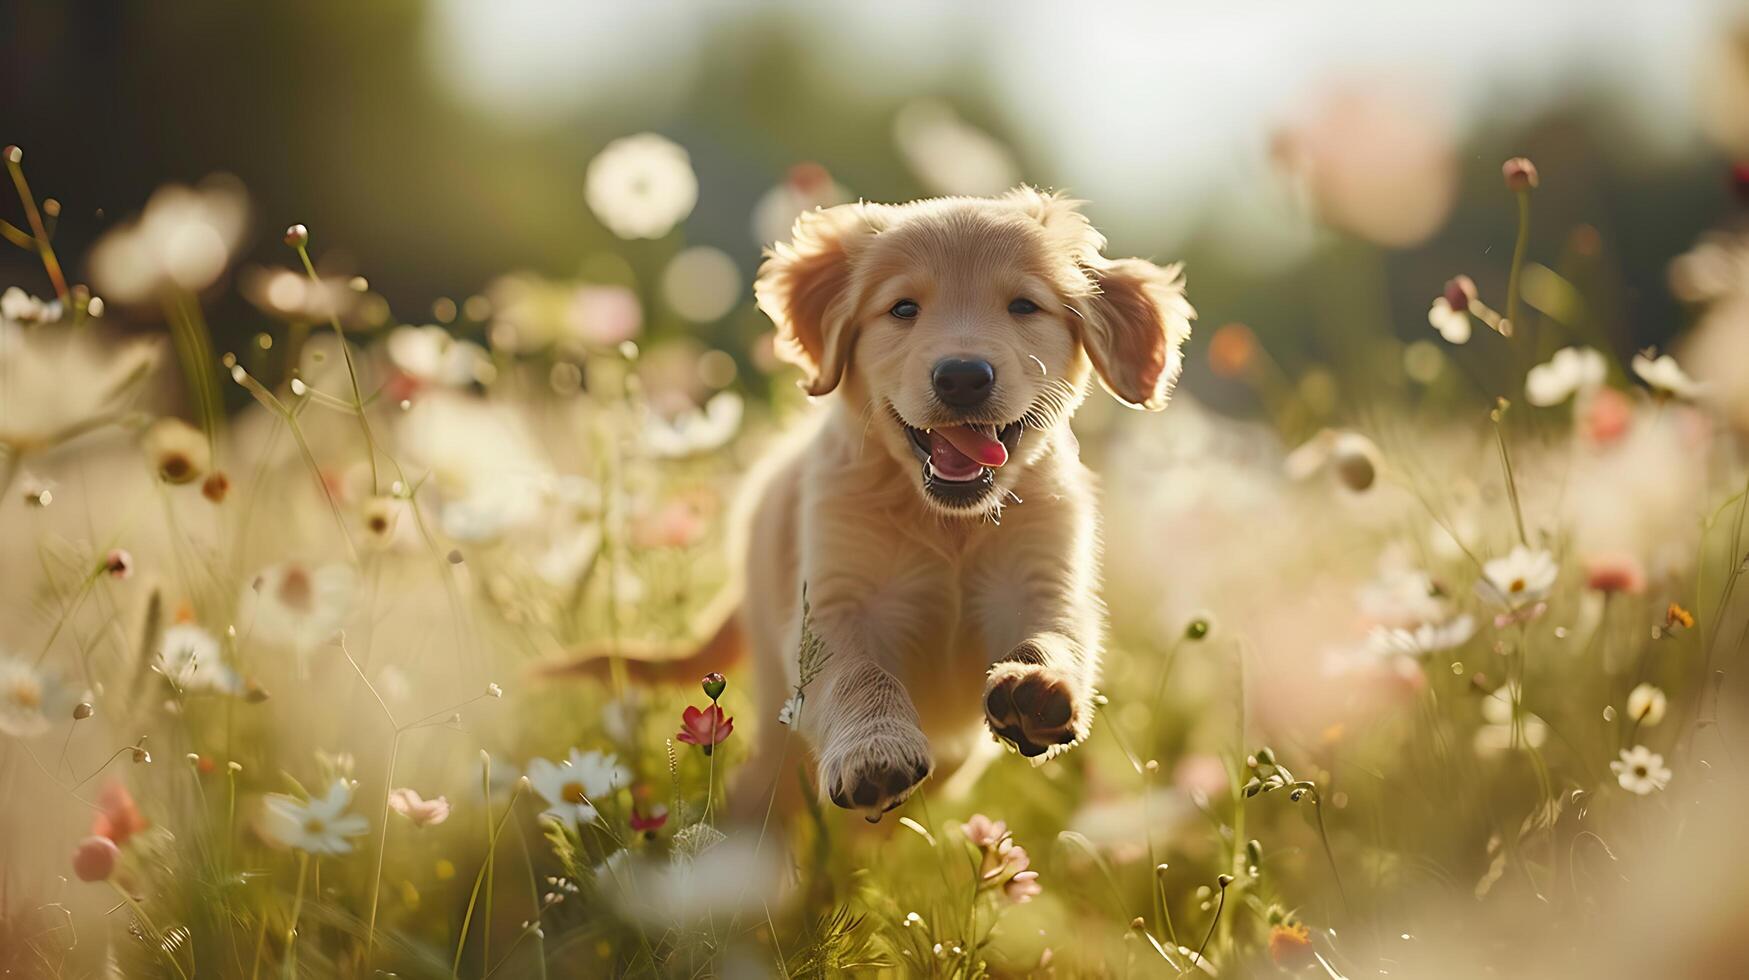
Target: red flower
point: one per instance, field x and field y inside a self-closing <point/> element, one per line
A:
<point x="705" y="728"/>
<point x="649" y="822"/>
<point x="1615" y="573"/>
<point x="118" y="818"/>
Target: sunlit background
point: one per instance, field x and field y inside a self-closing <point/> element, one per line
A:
<point x="431" y="146"/>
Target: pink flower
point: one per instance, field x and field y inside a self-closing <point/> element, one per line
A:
<point x="423" y="812"/>
<point x="1022" y="887"/>
<point x="117" y="818"/>
<point x="706" y="728"/>
<point x="1615" y="573"/>
<point x="1201" y="773"/>
<point x="984" y="832"/>
<point x="1606" y="416"/>
<point x="95" y="858"/>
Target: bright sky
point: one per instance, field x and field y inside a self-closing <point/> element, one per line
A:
<point x="1163" y="107"/>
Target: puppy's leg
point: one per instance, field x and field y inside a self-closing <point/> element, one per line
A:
<point x="1035" y="598"/>
<point x="864" y="728"/>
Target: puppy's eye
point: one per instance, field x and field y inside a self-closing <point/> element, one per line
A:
<point x="906" y="309"/>
<point x="1022" y="306"/>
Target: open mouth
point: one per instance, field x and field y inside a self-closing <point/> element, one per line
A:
<point x="960" y="461"/>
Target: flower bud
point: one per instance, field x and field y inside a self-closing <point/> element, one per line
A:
<point x="1224" y="880"/>
<point x="1460" y="292"/>
<point x="493" y="690"/>
<point x="95" y="859"/>
<point x="1354" y="458"/>
<point x="118" y="564"/>
<point x="83" y="710"/>
<point x="714" y="683"/>
<point x="216" y="485"/>
<point x="1520" y="174"/>
<point x="1197" y="628"/>
<point x="297" y="236"/>
<point x="1266" y="755"/>
<point x="13" y="154"/>
<point x="1254" y="852"/>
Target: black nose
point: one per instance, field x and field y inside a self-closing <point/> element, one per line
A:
<point x="961" y="382"/>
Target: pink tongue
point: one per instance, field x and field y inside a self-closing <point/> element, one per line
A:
<point x="959" y="451"/>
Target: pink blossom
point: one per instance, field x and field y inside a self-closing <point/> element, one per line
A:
<point x="984" y="832"/>
<point x="95" y="858"/>
<point x="423" y="812"/>
<point x="705" y="729"/>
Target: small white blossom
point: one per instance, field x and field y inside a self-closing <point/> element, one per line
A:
<point x="192" y="661"/>
<point x="318" y="826"/>
<point x="695" y="430"/>
<point x="1641" y="771"/>
<point x="1497" y="734"/>
<point x="180" y="243"/>
<point x="791" y="710"/>
<point x="1522" y="578"/>
<point x="1667" y="376"/>
<point x="1647" y="704"/>
<point x="1571" y="371"/>
<point x="641" y="186"/>
<point x="296" y="606"/>
<point x="1453" y="325"/>
<point x="26" y="696"/>
<point x="571" y="786"/>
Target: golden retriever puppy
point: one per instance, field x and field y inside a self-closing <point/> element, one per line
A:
<point x="937" y="512"/>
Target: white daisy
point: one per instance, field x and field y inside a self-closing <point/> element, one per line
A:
<point x="572" y="786"/>
<point x="695" y="430"/>
<point x="58" y="383"/>
<point x="1402" y="597"/>
<point x="1641" y="771"/>
<point x="192" y="661"/>
<point x="1647" y="704"/>
<point x="1571" y="371"/>
<point x="430" y="355"/>
<point x="318" y="826"/>
<point x="19" y="307"/>
<point x="27" y="695"/>
<point x="297" y="606"/>
<point x="1497" y="734"/>
<point x="1428" y="637"/>
<point x="178" y="452"/>
<point x="641" y="186"/>
<point x="180" y="243"/>
<point x="1666" y="376"/>
<point x="1453" y="325"/>
<point x="1522" y="578"/>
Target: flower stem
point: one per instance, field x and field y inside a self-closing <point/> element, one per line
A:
<point x="1498" y="416"/>
<point x="1329" y="853"/>
<point x="351" y="372"/>
<point x="1219" y="907"/>
<point x="1518" y="248"/>
<point x="480" y="878"/>
<point x="291" y="929"/>
<point x="50" y="264"/>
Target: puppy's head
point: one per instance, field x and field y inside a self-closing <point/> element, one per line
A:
<point x="966" y="328"/>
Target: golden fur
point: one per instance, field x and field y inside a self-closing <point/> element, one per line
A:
<point x="930" y="609"/>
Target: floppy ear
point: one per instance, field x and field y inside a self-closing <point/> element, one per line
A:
<point x="1133" y="328"/>
<point x="804" y="287"/>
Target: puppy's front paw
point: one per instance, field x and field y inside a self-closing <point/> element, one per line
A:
<point x="1033" y="708"/>
<point x="874" y="771"/>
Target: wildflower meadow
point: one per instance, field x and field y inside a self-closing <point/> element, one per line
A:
<point x="1427" y="638"/>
